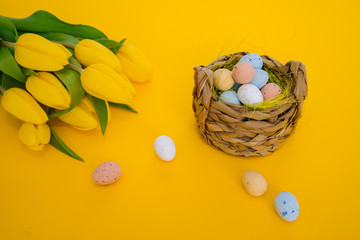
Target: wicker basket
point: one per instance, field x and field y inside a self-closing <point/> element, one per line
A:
<point x="238" y="130"/>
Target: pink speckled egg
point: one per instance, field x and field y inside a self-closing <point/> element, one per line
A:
<point x="106" y="173"/>
<point x="270" y="91"/>
<point x="243" y="72"/>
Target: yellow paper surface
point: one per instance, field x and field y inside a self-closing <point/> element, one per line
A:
<point x="199" y="195"/>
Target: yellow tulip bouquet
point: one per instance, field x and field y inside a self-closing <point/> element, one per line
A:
<point x="52" y="69"/>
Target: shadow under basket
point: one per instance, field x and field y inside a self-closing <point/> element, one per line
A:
<point x="238" y="130"/>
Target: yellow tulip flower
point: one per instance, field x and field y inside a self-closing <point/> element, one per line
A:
<point x="36" y="52"/>
<point x="48" y="90"/>
<point x="22" y="105"/>
<point x="34" y="136"/>
<point x="103" y="82"/>
<point x="83" y="116"/>
<point x="88" y="52"/>
<point x="136" y="65"/>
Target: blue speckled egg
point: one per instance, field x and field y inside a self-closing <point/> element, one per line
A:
<point x="236" y="86"/>
<point x="287" y="206"/>
<point x="261" y="77"/>
<point x="229" y="97"/>
<point x="254" y="59"/>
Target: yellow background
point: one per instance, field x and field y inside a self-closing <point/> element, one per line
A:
<point x="199" y="195"/>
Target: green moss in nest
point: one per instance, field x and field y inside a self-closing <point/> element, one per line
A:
<point x="284" y="82"/>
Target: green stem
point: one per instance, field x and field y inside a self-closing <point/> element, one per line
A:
<point x="7" y="44"/>
<point x="75" y="68"/>
<point x="12" y="44"/>
<point x="69" y="45"/>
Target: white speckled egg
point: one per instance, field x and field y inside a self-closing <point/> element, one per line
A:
<point x="254" y="183"/>
<point x="287" y="206"/>
<point x="254" y="59"/>
<point x="261" y="77"/>
<point x="223" y="79"/>
<point x="249" y="94"/>
<point x="165" y="148"/>
<point x="229" y="97"/>
<point x="106" y="173"/>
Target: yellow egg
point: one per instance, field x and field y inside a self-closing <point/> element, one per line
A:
<point x="254" y="183"/>
<point x="223" y="79"/>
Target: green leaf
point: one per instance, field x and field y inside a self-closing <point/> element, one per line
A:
<point x="75" y="62"/>
<point x="71" y="80"/>
<point x="7" y="30"/>
<point x="42" y="21"/>
<point x="1" y="93"/>
<point x="101" y="111"/>
<point x="124" y="106"/>
<point x="111" y="44"/>
<point x="27" y="72"/>
<point x="9" y="82"/>
<point x="9" y="66"/>
<point x="61" y="37"/>
<point x="56" y="142"/>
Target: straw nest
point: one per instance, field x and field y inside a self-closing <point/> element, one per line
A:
<point x="243" y="131"/>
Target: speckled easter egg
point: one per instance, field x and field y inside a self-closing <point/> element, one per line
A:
<point x="243" y="72"/>
<point x="106" y="173"/>
<point x="249" y="94"/>
<point x="229" y="97"/>
<point x="223" y="79"/>
<point x="165" y="148"/>
<point x="270" y="91"/>
<point x="254" y="59"/>
<point x="261" y="77"/>
<point x="254" y="183"/>
<point x="287" y="206"/>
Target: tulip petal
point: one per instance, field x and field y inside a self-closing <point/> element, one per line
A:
<point x="88" y="52"/>
<point x="48" y="90"/>
<point x="64" y="49"/>
<point x="40" y="44"/>
<point x="22" y="105"/>
<point x="37" y="147"/>
<point x="44" y="133"/>
<point x="120" y="77"/>
<point x="103" y="82"/>
<point x="36" y="52"/>
<point x="30" y="135"/>
<point x="136" y="65"/>
<point x="37" y="61"/>
<point x="81" y="117"/>
<point x="27" y="134"/>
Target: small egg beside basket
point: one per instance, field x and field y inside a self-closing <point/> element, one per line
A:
<point x="239" y="130"/>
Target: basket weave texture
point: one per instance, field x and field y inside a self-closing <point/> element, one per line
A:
<point x="238" y="130"/>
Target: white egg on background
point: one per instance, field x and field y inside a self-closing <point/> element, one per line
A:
<point x="165" y="148"/>
<point x="249" y="94"/>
